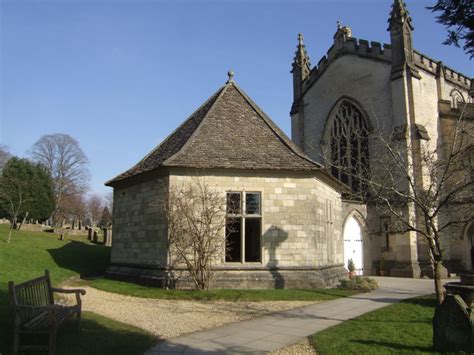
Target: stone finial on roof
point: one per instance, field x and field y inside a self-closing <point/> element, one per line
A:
<point x="300" y="39"/>
<point x="342" y="33"/>
<point x="230" y="74"/>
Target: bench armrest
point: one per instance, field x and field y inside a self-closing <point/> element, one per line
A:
<point x="77" y="291"/>
<point x="69" y="290"/>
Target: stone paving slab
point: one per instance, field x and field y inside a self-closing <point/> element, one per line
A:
<point x="272" y="332"/>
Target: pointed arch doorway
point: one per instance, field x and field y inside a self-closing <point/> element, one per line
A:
<point x="353" y="244"/>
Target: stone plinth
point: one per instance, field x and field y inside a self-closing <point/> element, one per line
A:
<point x="253" y="278"/>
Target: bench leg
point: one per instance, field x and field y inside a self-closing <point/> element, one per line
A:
<point x="78" y="321"/>
<point x="16" y="342"/>
<point x="52" y="342"/>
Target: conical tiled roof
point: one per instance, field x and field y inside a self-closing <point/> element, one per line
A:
<point x="228" y="131"/>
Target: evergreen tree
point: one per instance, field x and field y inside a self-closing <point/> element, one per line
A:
<point x="26" y="188"/>
<point x="458" y="17"/>
<point x="106" y="218"/>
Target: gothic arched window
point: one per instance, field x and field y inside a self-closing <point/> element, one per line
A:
<point x="350" y="147"/>
<point x="456" y="98"/>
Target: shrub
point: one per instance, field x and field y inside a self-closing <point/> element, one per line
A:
<point x="359" y="283"/>
<point x="350" y="265"/>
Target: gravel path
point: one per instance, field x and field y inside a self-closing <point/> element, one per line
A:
<point x="172" y="318"/>
<point x="301" y="348"/>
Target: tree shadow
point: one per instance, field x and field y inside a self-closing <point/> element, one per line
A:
<point x="273" y="237"/>
<point x="98" y="335"/>
<point x="395" y="346"/>
<point x="85" y="259"/>
<point x="429" y="302"/>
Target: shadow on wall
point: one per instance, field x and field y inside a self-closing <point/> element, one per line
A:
<point x="273" y="239"/>
<point x="85" y="259"/>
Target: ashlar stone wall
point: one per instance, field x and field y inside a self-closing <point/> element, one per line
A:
<point x="139" y="228"/>
<point x="301" y="215"/>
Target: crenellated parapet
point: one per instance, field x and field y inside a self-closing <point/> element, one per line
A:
<point x="437" y="68"/>
<point x="350" y="46"/>
<point x="382" y="52"/>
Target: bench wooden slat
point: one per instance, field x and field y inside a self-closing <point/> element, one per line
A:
<point x="35" y="310"/>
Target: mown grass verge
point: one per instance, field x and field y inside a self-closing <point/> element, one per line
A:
<point x="130" y="289"/>
<point x="402" y="328"/>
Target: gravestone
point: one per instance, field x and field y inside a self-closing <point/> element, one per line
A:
<point x="452" y="326"/>
<point x="453" y="321"/>
<point x="106" y="236"/>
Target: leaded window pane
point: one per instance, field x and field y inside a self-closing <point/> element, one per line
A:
<point x="233" y="242"/>
<point x="234" y="203"/>
<point x="350" y="148"/>
<point x="252" y="239"/>
<point x="252" y="203"/>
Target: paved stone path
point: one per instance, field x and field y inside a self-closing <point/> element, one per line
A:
<point x="275" y="331"/>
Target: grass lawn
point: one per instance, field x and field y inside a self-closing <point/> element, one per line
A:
<point x="28" y="255"/>
<point x="226" y="295"/>
<point x="404" y="327"/>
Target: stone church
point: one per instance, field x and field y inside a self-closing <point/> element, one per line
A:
<point x="293" y="226"/>
<point x="370" y="88"/>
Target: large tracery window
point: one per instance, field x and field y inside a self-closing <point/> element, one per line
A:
<point x="350" y="148"/>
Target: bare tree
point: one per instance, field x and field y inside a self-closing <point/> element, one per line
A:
<point x="66" y="162"/>
<point x="95" y="205"/>
<point x="195" y="215"/>
<point x="109" y="201"/>
<point x="74" y="209"/>
<point x="417" y="184"/>
<point x="4" y="156"/>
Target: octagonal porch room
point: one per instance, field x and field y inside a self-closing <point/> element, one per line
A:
<point x="282" y="210"/>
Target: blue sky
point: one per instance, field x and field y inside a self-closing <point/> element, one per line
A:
<point x="119" y="76"/>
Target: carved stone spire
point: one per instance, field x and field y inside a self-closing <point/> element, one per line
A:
<point x="399" y="15"/>
<point x="301" y="68"/>
<point x="401" y="27"/>
<point x="301" y="59"/>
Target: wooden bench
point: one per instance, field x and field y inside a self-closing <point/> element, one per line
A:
<point x="34" y="310"/>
